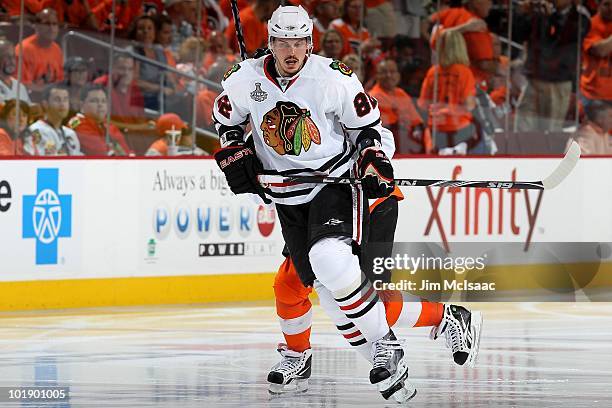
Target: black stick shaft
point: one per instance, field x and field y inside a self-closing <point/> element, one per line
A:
<point x="534" y="185"/>
<point x="238" y="26"/>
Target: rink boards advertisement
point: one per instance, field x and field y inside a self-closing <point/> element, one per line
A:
<point x="140" y="231"/>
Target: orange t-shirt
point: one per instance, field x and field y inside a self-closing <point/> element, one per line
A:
<point x="126" y="13"/>
<point x="40" y="64"/>
<point x="92" y="136"/>
<point x="317" y="33"/>
<point x="8" y="146"/>
<point x="226" y="8"/>
<point x="352" y="39"/>
<point x="596" y="78"/>
<point x="13" y="9"/>
<point x="455" y="84"/>
<point x="399" y="115"/>
<point x="479" y="44"/>
<point x="255" y="32"/>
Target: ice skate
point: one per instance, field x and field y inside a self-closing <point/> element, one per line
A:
<point x="462" y="330"/>
<point x="390" y="369"/>
<point x="291" y="374"/>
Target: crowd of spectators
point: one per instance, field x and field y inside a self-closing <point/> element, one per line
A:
<point x="450" y="77"/>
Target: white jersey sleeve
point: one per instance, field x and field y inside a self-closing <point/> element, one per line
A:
<point x="230" y="109"/>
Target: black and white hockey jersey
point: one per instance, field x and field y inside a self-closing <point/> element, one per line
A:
<point x="306" y="125"/>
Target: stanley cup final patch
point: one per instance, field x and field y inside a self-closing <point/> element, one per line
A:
<point x="258" y="95"/>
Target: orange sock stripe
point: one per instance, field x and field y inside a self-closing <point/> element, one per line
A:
<point x="431" y="314"/>
<point x="298" y="342"/>
<point x="393" y="305"/>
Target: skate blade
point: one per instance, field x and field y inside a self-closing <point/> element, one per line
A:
<point x="394" y="383"/>
<point x="477" y="324"/>
<point x="294" y="387"/>
<point x="405" y="394"/>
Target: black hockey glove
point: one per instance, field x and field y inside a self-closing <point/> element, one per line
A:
<point x="374" y="169"/>
<point x="241" y="167"/>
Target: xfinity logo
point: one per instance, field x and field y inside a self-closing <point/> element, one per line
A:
<point x="502" y="209"/>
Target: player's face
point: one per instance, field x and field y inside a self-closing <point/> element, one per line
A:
<point x="58" y="103"/>
<point x="290" y="54"/>
<point x="270" y="127"/>
<point x="94" y="105"/>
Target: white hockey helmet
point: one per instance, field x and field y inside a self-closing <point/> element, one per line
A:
<point x="289" y="22"/>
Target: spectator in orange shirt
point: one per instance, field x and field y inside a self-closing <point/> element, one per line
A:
<point x="90" y="125"/>
<point x="43" y="59"/>
<point x="469" y="21"/>
<point x="449" y="109"/>
<point x="351" y="27"/>
<point x="596" y="78"/>
<point x="332" y="44"/>
<point x="125" y="12"/>
<point x="11" y="135"/>
<point x="397" y="111"/>
<point x="324" y="12"/>
<point x="13" y="7"/>
<point x="254" y="25"/>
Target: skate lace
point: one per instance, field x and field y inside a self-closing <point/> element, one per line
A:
<point x="453" y="336"/>
<point x="288" y="365"/>
<point x="384" y="350"/>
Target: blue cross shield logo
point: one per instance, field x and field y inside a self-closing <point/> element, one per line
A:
<point x="47" y="216"/>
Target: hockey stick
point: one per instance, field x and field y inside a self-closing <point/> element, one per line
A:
<point x="238" y="26"/>
<point x="555" y="178"/>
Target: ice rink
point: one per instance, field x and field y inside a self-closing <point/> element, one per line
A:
<point x="532" y="355"/>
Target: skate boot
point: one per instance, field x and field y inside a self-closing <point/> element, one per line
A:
<point x="462" y="330"/>
<point x="292" y="373"/>
<point x="390" y="369"/>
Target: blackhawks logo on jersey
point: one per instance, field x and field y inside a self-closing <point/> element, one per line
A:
<point x="342" y="67"/>
<point x="230" y="71"/>
<point x="288" y="129"/>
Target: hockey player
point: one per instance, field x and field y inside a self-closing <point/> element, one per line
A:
<point x="310" y="115"/>
<point x="47" y="136"/>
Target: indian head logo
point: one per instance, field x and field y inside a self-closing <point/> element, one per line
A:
<point x="288" y="129"/>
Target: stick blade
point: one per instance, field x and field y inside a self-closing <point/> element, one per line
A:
<point x="564" y="168"/>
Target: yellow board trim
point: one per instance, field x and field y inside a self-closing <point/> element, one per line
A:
<point x="78" y="293"/>
<point x="75" y="293"/>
